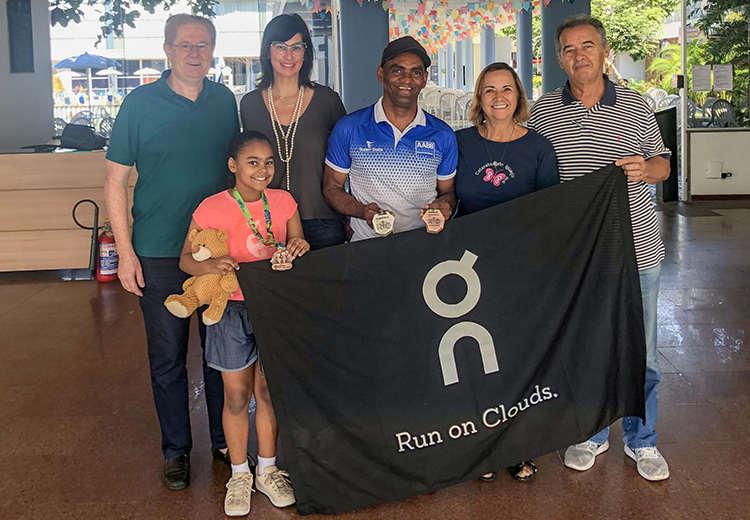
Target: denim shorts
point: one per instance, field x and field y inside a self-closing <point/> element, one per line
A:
<point x="230" y="343"/>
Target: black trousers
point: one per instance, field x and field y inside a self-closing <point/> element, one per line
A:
<point x="167" y="338"/>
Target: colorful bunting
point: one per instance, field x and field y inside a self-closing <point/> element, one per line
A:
<point x="434" y="24"/>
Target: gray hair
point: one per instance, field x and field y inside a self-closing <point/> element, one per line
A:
<point x="176" y="21"/>
<point x="578" y="20"/>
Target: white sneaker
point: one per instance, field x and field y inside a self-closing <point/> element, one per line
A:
<point x="275" y="484"/>
<point x="239" y="489"/>
<point x="582" y="456"/>
<point x="650" y="463"/>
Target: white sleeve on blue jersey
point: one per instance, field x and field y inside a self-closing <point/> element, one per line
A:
<point x="447" y="168"/>
<point x="337" y="156"/>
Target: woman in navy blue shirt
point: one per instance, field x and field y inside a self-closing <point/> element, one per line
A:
<point x="500" y="160"/>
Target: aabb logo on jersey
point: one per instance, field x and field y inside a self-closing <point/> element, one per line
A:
<point x="426" y="148"/>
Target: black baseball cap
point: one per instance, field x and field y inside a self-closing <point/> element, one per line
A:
<point x="402" y="45"/>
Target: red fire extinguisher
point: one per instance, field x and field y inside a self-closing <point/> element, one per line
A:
<point x="106" y="269"/>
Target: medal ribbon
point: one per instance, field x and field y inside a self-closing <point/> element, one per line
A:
<point x="270" y="242"/>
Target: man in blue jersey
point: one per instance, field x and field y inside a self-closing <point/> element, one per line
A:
<point x="397" y="157"/>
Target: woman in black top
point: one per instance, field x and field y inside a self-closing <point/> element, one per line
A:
<point x="297" y="115"/>
<point x="499" y="159"/>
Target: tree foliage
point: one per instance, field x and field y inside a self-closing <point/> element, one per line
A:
<point x="726" y="26"/>
<point x="633" y="26"/>
<point x="119" y="13"/>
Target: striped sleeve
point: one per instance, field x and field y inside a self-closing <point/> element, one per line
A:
<point x="652" y="144"/>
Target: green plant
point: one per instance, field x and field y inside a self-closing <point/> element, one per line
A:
<point x="698" y="53"/>
<point x="726" y="24"/>
<point x="669" y="63"/>
<point x="640" y="86"/>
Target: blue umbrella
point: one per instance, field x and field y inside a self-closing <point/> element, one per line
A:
<point x="86" y="62"/>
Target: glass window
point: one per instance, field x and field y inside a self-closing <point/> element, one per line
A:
<point x="140" y="57"/>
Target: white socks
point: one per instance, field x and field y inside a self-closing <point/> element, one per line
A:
<point x="242" y="468"/>
<point x="264" y="462"/>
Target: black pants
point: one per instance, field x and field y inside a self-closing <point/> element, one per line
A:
<point x="167" y="338"/>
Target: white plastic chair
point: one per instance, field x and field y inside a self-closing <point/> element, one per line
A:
<point x="658" y="95"/>
<point x="462" y="106"/>
<point x="431" y="103"/>
<point x="651" y="101"/>
<point x="428" y="88"/>
<point x="447" y="106"/>
<point x="669" y="101"/>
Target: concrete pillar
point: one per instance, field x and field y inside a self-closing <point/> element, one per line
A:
<point x="468" y="50"/>
<point x="449" y="72"/>
<point x="364" y="35"/>
<point x="476" y="63"/>
<point x="441" y="67"/>
<point x="460" y="65"/>
<point x="525" y="51"/>
<point x="487" y="47"/>
<point x="553" y="76"/>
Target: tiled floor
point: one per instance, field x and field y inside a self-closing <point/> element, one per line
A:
<point x="79" y="436"/>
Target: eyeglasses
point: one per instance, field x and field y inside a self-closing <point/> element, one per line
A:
<point x="297" y="48"/>
<point x="187" y="48"/>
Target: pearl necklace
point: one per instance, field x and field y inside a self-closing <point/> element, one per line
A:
<point x="288" y="136"/>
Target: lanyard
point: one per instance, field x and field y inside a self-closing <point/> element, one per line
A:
<point x="270" y="242"/>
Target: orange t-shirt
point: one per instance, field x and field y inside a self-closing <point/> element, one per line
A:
<point x="221" y="211"/>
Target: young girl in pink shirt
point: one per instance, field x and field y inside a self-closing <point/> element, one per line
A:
<point x="258" y="221"/>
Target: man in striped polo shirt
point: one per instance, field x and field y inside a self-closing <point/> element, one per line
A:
<point x="591" y="123"/>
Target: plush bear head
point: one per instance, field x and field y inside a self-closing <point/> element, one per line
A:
<point x="211" y="243"/>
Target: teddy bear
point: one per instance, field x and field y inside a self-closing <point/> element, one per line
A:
<point x="211" y="289"/>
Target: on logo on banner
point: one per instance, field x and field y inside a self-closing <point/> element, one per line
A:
<point x="465" y="329"/>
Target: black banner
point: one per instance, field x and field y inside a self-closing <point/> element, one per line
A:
<point x="403" y="365"/>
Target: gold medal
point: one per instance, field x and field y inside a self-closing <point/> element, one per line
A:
<point x="382" y="223"/>
<point x="281" y="260"/>
<point x="434" y="220"/>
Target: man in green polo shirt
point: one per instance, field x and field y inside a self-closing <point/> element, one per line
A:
<point x="176" y="132"/>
